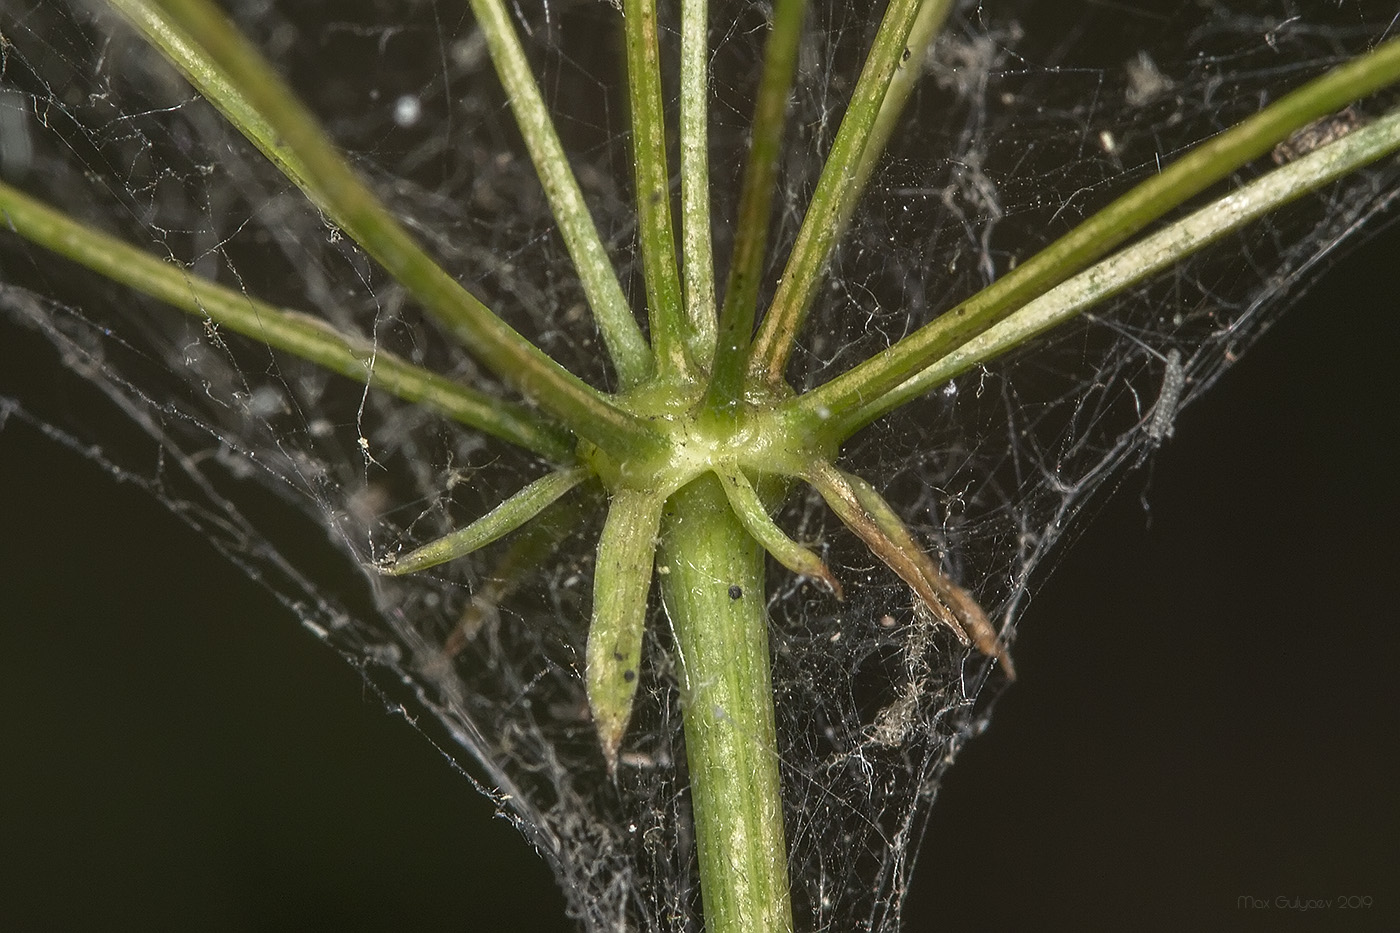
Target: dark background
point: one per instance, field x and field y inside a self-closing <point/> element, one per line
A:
<point x="1207" y="707"/>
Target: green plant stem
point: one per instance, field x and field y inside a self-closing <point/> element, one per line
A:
<point x="697" y="244"/>
<point x="230" y="73"/>
<point x="293" y="332"/>
<point x="756" y="205"/>
<point x="1143" y="259"/>
<point x="627" y="347"/>
<point x="835" y="194"/>
<point x="1207" y="164"/>
<point x="665" y="308"/>
<point x="713" y="588"/>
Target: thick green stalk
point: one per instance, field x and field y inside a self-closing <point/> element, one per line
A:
<point x="1202" y="167"/>
<point x="697" y="244"/>
<point x="756" y="204"/>
<point x="833" y="199"/>
<point x="713" y="589"/>
<point x="665" y="307"/>
<point x="293" y="332"/>
<point x="626" y="346"/>
<point x="232" y="75"/>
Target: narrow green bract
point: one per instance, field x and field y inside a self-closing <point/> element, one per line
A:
<point x="753" y="515"/>
<point x="499" y="522"/>
<point x="621" y="580"/>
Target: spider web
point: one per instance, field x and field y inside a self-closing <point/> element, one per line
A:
<point x="1024" y="125"/>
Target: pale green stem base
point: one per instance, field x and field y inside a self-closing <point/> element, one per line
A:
<point x="712" y="585"/>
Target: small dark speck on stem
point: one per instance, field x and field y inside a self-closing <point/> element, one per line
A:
<point x="736" y="592"/>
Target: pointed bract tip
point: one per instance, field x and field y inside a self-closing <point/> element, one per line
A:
<point x="610" y="733"/>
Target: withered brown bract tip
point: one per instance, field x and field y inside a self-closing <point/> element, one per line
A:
<point x="1007" y="667"/>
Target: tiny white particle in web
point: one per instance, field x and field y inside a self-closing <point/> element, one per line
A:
<point x="408" y="110"/>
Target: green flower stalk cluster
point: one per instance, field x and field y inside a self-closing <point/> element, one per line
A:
<point x="704" y="438"/>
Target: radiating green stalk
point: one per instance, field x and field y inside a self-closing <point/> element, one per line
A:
<point x="932" y="15"/>
<point x="713" y="590"/>
<point x="743" y="282"/>
<point x="494" y="525"/>
<point x="1193" y="173"/>
<point x="836" y="192"/>
<point x="697" y="244"/>
<point x="627" y="347"/>
<point x="665" y="306"/>
<point x="299" y="334"/>
<point x="756" y="204"/>
<point x="232" y="75"/>
<point x="1143" y="259"/>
